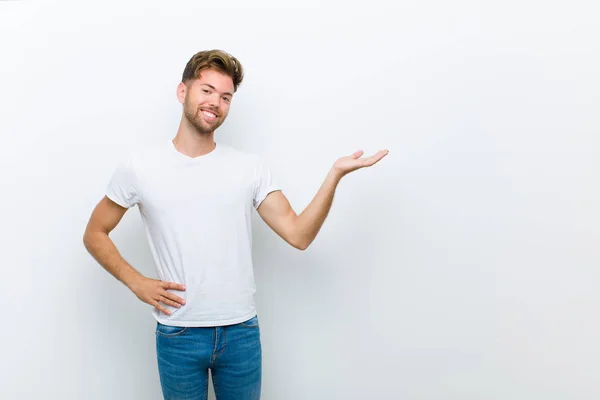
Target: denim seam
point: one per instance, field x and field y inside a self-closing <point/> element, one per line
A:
<point x="250" y="326"/>
<point x="171" y="334"/>
<point x="220" y="353"/>
<point x="206" y="390"/>
<point x="212" y="358"/>
<point x="215" y="386"/>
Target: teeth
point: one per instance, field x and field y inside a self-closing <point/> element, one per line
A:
<point x="209" y="114"/>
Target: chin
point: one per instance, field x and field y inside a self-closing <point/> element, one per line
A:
<point x="205" y="128"/>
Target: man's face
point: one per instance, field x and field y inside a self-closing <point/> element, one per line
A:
<point x="207" y="100"/>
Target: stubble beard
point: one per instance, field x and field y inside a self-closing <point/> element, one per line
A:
<point x="195" y="118"/>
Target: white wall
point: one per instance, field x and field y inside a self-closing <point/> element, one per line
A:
<point x="463" y="266"/>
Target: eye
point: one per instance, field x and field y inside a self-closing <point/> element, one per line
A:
<point x="206" y="90"/>
<point x="227" y="99"/>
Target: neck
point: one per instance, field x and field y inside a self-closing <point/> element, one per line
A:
<point x="191" y="142"/>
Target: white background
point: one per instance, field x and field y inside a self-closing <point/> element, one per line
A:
<point x="463" y="266"/>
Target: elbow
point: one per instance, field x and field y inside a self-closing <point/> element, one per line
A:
<point x="90" y="238"/>
<point x="298" y="238"/>
<point x="87" y="242"/>
<point x="87" y="237"/>
<point x="301" y="245"/>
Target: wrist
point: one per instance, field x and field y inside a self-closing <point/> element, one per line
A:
<point x="336" y="174"/>
<point x="132" y="280"/>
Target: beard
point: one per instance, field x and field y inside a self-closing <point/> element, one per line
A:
<point x="194" y="116"/>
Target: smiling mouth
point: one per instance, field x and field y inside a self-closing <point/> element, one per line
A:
<point x="210" y="116"/>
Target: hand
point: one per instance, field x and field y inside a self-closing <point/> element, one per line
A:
<point x="154" y="292"/>
<point x="353" y="162"/>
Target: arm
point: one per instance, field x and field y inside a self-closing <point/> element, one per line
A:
<point x="300" y="230"/>
<point x="103" y="220"/>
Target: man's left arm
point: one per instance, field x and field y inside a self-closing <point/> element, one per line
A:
<point x="300" y="230"/>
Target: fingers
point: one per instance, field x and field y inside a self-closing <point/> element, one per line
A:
<point x="173" y="285"/>
<point x="172" y="299"/>
<point x="376" y="157"/>
<point x="380" y="154"/>
<point x="160" y="308"/>
<point x="172" y="302"/>
<point x="167" y="297"/>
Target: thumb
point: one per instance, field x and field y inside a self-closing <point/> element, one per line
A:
<point x="357" y="154"/>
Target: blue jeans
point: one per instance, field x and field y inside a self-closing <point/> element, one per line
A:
<point x="233" y="353"/>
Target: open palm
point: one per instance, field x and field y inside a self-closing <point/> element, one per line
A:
<point x="353" y="162"/>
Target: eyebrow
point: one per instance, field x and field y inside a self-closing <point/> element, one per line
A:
<point x="215" y="89"/>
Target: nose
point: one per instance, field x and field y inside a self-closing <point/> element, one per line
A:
<point x="215" y="100"/>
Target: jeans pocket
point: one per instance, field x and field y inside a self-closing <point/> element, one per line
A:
<point x="251" y="323"/>
<point x="168" y="330"/>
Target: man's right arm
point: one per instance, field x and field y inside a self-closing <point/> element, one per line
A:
<point x="103" y="220"/>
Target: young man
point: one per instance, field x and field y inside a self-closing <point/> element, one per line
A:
<point x="195" y="197"/>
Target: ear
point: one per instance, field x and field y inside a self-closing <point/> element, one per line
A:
<point x="181" y="92"/>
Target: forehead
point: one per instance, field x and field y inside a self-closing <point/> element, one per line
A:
<point x="219" y="80"/>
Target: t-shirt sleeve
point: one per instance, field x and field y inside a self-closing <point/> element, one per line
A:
<point x="263" y="182"/>
<point x="122" y="187"/>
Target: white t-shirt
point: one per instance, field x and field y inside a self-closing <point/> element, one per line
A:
<point x="197" y="217"/>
